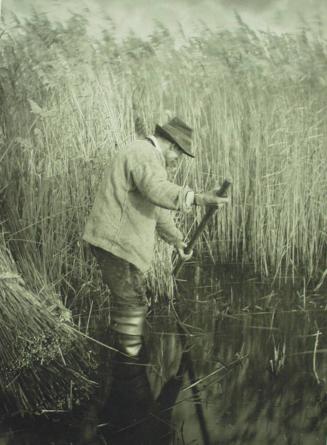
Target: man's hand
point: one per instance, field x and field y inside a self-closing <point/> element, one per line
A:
<point x="180" y="246"/>
<point x="210" y="198"/>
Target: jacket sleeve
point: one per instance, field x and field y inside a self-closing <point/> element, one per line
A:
<point x="166" y="227"/>
<point x="150" y="177"/>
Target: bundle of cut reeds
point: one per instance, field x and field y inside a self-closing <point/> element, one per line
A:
<point x="44" y="362"/>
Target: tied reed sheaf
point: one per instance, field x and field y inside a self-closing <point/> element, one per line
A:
<point x="44" y="364"/>
<point x="256" y="101"/>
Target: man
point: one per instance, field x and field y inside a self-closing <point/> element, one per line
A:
<point x="131" y="205"/>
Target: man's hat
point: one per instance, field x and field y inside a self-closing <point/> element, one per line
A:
<point x="178" y="132"/>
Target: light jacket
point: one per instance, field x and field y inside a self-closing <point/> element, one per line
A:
<point x="133" y="202"/>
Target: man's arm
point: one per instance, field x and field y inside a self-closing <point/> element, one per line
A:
<point x="168" y="231"/>
<point x="149" y="176"/>
<point x="166" y="227"/>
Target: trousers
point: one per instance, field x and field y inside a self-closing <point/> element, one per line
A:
<point x="128" y="302"/>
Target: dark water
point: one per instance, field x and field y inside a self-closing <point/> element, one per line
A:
<point x="238" y="363"/>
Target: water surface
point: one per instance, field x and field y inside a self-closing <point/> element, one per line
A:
<point x="233" y="361"/>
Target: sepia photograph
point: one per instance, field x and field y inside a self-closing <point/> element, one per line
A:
<point x="163" y="222"/>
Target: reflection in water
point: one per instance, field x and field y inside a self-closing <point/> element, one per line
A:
<point x="143" y="393"/>
<point x="257" y="358"/>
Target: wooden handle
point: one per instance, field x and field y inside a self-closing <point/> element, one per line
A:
<point x="209" y="213"/>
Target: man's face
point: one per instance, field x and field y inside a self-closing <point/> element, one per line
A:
<point x="173" y="156"/>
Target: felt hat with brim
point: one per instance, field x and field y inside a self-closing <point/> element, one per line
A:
<point x="178" y="132"/>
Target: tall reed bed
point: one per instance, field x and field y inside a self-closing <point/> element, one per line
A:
<point x="256" y="102"/>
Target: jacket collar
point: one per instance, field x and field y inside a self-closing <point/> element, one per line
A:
<point x="156" y="145"/>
